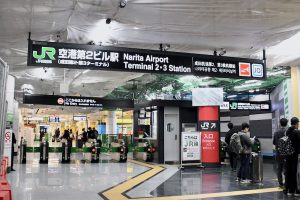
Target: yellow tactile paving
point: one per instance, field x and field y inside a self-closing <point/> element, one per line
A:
<point x="116" y="192"/>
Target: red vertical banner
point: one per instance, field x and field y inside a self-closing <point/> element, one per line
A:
<point x="209" y="126"/>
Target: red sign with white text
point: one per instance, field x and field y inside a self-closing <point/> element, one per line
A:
<point x="210" y="143"/>
<point x="210" y="137"/>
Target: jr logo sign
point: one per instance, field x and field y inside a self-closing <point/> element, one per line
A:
<point x="50" y="51"/>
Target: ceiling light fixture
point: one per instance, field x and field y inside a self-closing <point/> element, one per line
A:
<point x="123" y="3"/>
<point x="164" y="47"/>
<point x="223" y="52"/>
<point x="108" y="21"/>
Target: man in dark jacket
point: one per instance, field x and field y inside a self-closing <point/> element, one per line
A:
<point x="280" y="160"/>
<point x="246" y="142"/>
<point x="292" y="161"/>
<point x="232" y="155"/>
<point x="90" y="133"/>
<point x="84" y="136"/>
<point x="14" y="141"/>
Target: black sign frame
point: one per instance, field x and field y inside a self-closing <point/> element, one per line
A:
<point x="253" y="103"/>
<point x="164" y="62"/>
<point x="77" y="101"/>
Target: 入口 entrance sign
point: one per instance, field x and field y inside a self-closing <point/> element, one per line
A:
<point x="67" y="55"/>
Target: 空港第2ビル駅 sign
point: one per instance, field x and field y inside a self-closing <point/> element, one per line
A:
<point x="57" y="100"/>
<point x="67" y="55"/>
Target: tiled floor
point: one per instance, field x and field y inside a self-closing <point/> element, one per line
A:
<point x="83" y="181"/>
<point x="78" y="181"/>
<point x="191" y="181"/>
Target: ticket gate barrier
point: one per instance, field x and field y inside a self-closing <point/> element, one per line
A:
<point x="123" y="153"/>
<point x="145" y="151"/>
<point x="66" y="152"/>
<point x="23" y="145"/>
<point x="256" y="168"/>
<point x="223" y="151"/>
<point x="119" y="152"/>
<point x="44" y="152"/>
<point x="95" y="152"/>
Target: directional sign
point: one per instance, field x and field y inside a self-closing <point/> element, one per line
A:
<point x="67" y="55"/>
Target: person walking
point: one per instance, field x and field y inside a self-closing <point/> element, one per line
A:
<point x="280" y="160"/>
<point x="292" y="160"/>
<point x="245" y="153"/>
<point x="232" y="155"/>
<point x="84" y="136"/>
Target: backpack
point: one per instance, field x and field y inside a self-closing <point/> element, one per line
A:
<point x="285" y="147"/>
<point x="235" y="143"/>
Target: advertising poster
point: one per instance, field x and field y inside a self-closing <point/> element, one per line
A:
<point x="7" y="144"/>
<point x="191" y="146"/>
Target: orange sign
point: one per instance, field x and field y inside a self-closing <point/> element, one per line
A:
<point x="244" y="69"/>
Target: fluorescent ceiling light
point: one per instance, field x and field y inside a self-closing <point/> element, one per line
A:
<point x="250" y="81"/>
<point x="251" y="91"/>
<point x="136" y="28"/>
<point x="232" y="96"/>
<point x="248" y="85"/>
<point x="276" y="73"/>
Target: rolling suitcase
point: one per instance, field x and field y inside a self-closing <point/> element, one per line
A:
<point x="256" y="168"/>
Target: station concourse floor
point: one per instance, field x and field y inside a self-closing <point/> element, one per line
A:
<point x="132" y="180"/>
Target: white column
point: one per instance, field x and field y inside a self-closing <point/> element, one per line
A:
<point x="111" y="123"/>
<point x="10" y="94"/>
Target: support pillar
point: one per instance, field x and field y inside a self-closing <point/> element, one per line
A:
<point x="209" y="126"/>
<point x="295" y="78"/>
<point x="111" y="123"/>
<point x="10" y="91"/>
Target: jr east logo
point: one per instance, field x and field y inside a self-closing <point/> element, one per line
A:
<point x="257" y="70"/>
<point x="46" y="56"/>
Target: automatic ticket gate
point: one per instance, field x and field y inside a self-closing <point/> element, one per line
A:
<point x="66" y="152"/>
<point x="44" y="152"/>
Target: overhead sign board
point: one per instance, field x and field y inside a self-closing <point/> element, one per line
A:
<point x="228" y="67"/>
<point x="242" y="105"/>
<point x="76" y="101"/>
<point x="67" y="55"/>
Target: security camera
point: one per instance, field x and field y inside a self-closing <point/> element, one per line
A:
<point x="223" y="52"/>
<point x="123" y="3"/>
<point x="108" y="20"/>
